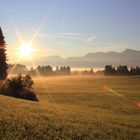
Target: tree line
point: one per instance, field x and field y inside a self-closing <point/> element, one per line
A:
<point x="121" y="70"/>
<point x="66" y="70"/>
<point x="48" y="71"/>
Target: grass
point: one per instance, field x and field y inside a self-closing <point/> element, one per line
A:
<point x="74" y="108"/>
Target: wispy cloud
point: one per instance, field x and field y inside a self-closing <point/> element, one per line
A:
<point x="72" y="36"/>
<point x="90" y="39"/>
<point x="67" y="36"/>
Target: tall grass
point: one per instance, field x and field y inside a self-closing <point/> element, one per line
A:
<point x="79" y="108"/>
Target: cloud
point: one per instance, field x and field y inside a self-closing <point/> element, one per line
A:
<point x="58" y="36"/>
<point x="67" y="36"/>
<point x="90" y="39"/>
<point x="72" y="34"/>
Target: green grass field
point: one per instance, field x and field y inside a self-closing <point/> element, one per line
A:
<point x="77" y="108"/>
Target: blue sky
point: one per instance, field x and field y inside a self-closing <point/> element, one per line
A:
<point x="72" y="27"/>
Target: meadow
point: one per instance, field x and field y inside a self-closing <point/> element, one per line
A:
<point x="75" y="108"/>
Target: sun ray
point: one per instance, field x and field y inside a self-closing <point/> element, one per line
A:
<point x="17" y="32"/>
<point x="45" y="87"/>
<point x="42" y="23"/>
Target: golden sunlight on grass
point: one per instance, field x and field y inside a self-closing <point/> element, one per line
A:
<point x="74" y="108"/>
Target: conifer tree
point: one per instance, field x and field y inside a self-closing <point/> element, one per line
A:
<point x="3" y="64"/>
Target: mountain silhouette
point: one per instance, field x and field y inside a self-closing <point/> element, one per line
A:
<point x="128" y="57"/>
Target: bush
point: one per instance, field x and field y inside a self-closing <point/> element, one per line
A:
<point x="20" y="82"/>
<point x="29" y="95"/>
<point x="20" y="87"/>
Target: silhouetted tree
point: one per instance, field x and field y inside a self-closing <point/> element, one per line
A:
<point x="65" y="70"/>
<point x="132" y="71"/>
<point x="109" y="70"/>
<point x="91" y="71"/>
<point x="45" y="70"/>
<point x="135" y="71"/>
<point x="3" y="64"/>
<point x="20" y="87"/>
<point x="48" y="70"/>
<point x="122" y="70"/>
<point x="62" y="70"/>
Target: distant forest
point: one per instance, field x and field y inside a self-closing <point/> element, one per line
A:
<point x="66" y="70"/>
<point x="121" y="70"/>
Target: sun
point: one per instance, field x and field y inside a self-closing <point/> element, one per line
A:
<point x="25" y="50"/>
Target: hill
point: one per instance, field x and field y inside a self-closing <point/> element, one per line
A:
<point x="128" y="57"/>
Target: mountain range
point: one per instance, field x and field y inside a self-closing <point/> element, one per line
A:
<point x="128" y="57"/>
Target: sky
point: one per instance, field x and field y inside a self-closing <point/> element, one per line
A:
<point x="70" y="27"/>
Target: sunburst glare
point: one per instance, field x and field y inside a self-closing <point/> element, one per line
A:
<point x="25" y="50"/>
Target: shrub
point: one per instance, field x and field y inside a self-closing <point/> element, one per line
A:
<point x="20" y="82"/>
<point x="29" y="95"/>
<point x="20" y="87"/>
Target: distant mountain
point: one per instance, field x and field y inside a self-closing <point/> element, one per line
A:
<point x="99" y="59"/>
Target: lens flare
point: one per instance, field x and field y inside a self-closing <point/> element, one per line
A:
<point x="25" y="50"/>
<point x="106" y="88"/>
<point x="138" y="105"/>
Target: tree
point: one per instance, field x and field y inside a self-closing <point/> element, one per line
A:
<point x="3" y="64"/>
<point x="20" y="82"/>
<point x="20" y="87"/>
<point x="109" y="70"/>
<point x="91" y="71"/>
<point x="122" y="70"/>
